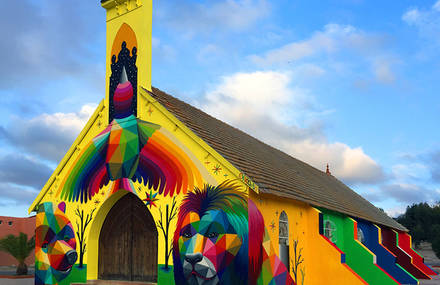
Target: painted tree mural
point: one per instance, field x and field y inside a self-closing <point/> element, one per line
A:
<point x="164" y="225"/>
<point x="297" y="261"/>
<point x="81" y="230"/>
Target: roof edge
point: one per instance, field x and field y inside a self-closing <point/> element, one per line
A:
<point x="67" y="156"/>
<point x="147" y="95"/>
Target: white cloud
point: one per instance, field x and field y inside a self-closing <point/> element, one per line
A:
<point x="191" y="18"/>
<point x="331" y="39"/>
<point x="436" y="6"/>
<point x="396" y="211"/>
<point x="49" y="135"/>
<point x="349" y="164"/>
<point x="409" y="193"/>
<point x="427" y="22"/>
<point x="268" y="106"/>
<point x="411" y="16"/>
<point x="332" y="45"/>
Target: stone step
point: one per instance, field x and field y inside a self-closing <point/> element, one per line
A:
<point x="114" y="282"/>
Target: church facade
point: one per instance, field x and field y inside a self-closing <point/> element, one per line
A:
<point x="155" y="190"/>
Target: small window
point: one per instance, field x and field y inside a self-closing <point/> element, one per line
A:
<point x="360" y="235"/>
<point x="10" y="223"/>
<point x="1" y="222"/>
<point x="330" y="231"/>
<point x="283" y="235"/>
<point x="284" y="229"/>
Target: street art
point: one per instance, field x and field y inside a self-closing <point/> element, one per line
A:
<point x="175" y="159"/>
<point x="114" y="156"/>
<point x="211" y="244"/>
<point x="297" y="260"/>
<point x="150" y="199"/>
<point x="265" y="267"/>
<point x="55" y="244"/>
<point x="124" y="66"/>
<point x="164" y="225"/>
<point x="81" y="226"/>
<point x="129" y="150"/>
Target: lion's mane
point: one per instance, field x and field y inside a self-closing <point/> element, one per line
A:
<point x="227" y="198"/>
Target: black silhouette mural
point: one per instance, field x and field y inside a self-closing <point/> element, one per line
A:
<point x="127" y="61"/>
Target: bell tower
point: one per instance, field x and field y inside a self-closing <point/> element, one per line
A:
<point x="128" y="48"/>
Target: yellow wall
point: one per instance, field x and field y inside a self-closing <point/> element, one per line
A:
<point x="303" y="219"/>
<point x="322" y="261"/>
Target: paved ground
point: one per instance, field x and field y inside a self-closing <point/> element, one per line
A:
<point x="27" y="281"/>
<point x="10" y="270"/>
<point x="425" y="250"/>
<point x="430" y="259"/>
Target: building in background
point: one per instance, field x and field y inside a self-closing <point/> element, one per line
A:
<point x="15" y="226"/>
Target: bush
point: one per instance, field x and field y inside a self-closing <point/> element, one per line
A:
<point x="19" y="247"/>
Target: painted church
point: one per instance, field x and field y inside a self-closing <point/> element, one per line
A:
<point x="156" y="191"/>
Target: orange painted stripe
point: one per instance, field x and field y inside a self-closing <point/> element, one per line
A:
<point x="188" y="163"/>
<point x="168" y="145"/>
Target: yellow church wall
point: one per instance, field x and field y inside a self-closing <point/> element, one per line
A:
<point x="213" y="170"/>
<point x="130" y="21"/>
<point x="320" y="260"/>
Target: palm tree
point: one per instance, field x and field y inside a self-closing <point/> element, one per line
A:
<point x="20" y="248"/>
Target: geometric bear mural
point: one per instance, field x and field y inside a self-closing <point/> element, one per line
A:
<point x="55" y="244"/>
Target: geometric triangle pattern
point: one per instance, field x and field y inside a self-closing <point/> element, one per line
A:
<point x="213" y="238"/>
<point x="273" y="270"/>
<point x="55" y="244"/>
<point x="130" y="149"/>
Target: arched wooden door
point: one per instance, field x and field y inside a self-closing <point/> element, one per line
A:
<point x="128" y="242"/>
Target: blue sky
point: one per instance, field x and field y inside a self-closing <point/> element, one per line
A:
<point x="351" y="83"/>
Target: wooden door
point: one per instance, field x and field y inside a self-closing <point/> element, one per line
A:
<point x="128" y="242"/>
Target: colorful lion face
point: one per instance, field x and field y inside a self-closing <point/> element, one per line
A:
<point x="54" y="244"/>
<point x="207" y="246"/>
<point x="210" y="243"/>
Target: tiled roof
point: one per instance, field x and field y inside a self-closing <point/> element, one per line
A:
<point x="274" y="171"/>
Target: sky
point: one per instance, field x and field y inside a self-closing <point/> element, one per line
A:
<point x="351" y="83"/>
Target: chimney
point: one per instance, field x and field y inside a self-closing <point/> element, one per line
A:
<point x="327" y="171"/>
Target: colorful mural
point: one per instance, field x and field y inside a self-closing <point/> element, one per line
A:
<point x="210" y="241"/>
<point x="211" y="244"/>
<point x="55" y="244"/>
<point x="405" y="243"/>
<point x="384" y="258"/>
<point x="357" y="256"/>
<point x="391" y="241"/>
<point x="182" y="207"/>
<point x="129" y="150"/>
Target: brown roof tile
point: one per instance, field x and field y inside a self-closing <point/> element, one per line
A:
<point x="274" y="171"/>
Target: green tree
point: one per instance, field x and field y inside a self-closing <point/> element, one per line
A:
<point x="417" y="234"/>
<point x="436" y="246"/>
<point x="423" y="222"/>
<point x="20" y="248"/>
